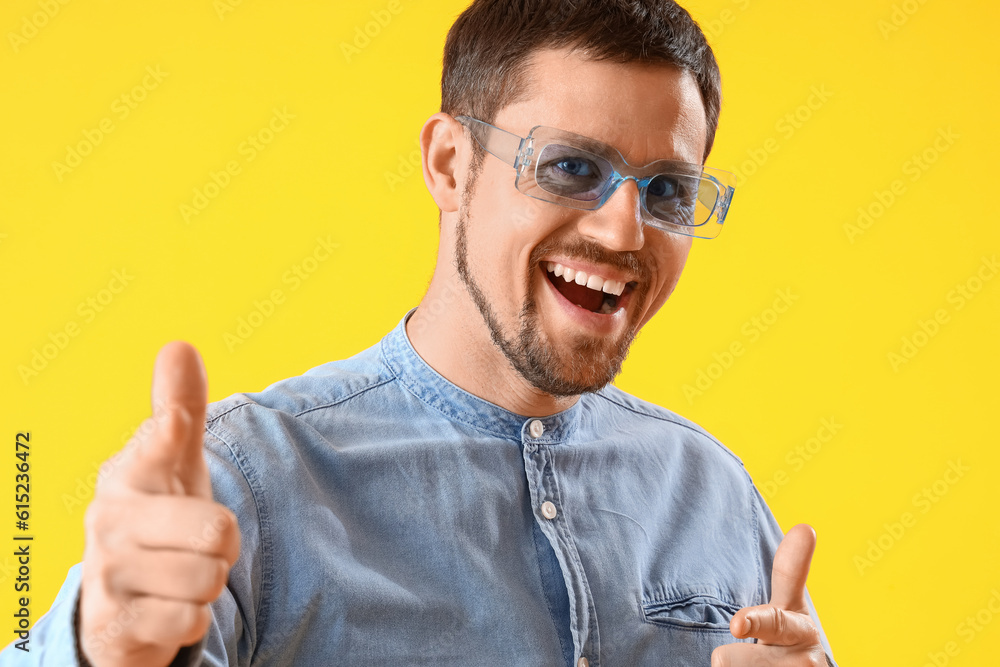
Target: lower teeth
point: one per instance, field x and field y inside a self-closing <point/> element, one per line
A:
<point x="607" y="307"/>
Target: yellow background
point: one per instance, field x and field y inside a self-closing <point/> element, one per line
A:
<point x="890" y="77"/>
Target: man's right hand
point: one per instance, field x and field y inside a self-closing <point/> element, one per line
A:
<point x="158" y="548"/>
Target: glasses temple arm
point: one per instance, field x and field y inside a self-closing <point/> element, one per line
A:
<point x="502" y="144"/>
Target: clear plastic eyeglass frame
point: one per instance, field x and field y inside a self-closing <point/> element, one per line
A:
<point x="575" y="171"/>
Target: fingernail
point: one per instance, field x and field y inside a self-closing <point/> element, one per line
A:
<point x="746" y="625"/>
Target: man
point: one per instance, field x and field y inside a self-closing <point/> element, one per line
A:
<point x="471" y="490"/>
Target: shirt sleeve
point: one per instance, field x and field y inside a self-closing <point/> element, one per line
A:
<point x="233" y="634"/>
<point x="770" y="537"/>
<point x="54" y="639"/>
<point x="51" y="641"/>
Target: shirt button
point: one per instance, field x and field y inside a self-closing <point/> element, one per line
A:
<point x="536" y="428"/>
<point x="549" y="510"/>
<point x="583" y="662"/>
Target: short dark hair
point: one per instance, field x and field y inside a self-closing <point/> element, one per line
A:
<point x="488" y="48"/>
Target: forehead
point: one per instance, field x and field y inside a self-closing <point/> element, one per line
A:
<point x="646" y="111"/>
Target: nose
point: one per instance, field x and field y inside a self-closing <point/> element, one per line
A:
<point x="617" y="225"/>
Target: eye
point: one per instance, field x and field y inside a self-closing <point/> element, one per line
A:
<point x="663" y="187"/>
<point x="567" y="171"/>
<point x="671" y="198"/>
<point x="574" y="166"/>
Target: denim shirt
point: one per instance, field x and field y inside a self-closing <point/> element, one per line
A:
<point x="389" y="517"/>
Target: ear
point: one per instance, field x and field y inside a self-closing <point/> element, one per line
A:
<point x="442" y="144"/>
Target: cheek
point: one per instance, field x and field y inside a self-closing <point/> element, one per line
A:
<point x="500" y="242"/>
<point x="510" y="228"/>
<point x="672" y="252"/>
<point x="677" y="254"/>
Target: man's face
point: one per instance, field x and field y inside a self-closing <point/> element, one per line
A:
<point x="564" y="338"/>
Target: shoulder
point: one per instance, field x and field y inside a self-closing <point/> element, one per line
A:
<point x="340" y="402"/>
<point x="328" y="385"/>
<point x="648" y="421"/>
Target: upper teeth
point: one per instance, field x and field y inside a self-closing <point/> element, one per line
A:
<point x="594" y="282"/>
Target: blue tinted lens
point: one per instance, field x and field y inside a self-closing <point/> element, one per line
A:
<point x="572" y="172"/>
<point x="674" y="199"/>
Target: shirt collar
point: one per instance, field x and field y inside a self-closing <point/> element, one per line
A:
<point x="457" y="404"/>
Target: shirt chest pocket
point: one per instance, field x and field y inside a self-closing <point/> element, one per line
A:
<point x="691" y="611"/>
<point x="686" y="626"/>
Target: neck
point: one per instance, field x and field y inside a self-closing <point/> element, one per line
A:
<point x="449" y="333"/>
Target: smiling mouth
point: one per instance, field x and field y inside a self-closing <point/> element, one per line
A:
<point x="590" y="292"/>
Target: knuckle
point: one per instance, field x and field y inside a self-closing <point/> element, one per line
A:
<point x="231" y="531"/>
<point x="231" y="517"/>
<point x="209" y="539"/>
<point x="218" y="531"/>
<point x="105" y="525"/>
<point x="194" y="622"/>
<point x="114" y="578"/>
<point x="115" y="574"/>
<point x="221" y="576"/>
<point x="214" y="576"/>
<point x="172" y="622"/>
<point x="777" y="619"/>
<point x="223" y="520"/>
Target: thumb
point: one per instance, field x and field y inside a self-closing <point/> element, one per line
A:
<point x="791" y="568"/>
<point x="169" y="457"/>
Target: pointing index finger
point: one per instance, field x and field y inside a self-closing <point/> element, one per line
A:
<point x="791" y="568"/>
<point x="169" y="457"/>
<point x="179" y="379"/>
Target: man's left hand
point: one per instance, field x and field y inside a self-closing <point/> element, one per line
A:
<point x="785" y="632"/>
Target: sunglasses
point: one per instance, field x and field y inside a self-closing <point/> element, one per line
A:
<point x="575" y="171"/>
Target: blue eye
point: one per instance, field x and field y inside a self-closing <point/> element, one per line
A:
<point x="661" y="186"/>
<point x="567" y="171"/>
<point x="575" y="166"/>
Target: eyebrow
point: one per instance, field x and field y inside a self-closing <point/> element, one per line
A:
<point x="586" y="143"/>
<point x="601" y="148"/>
